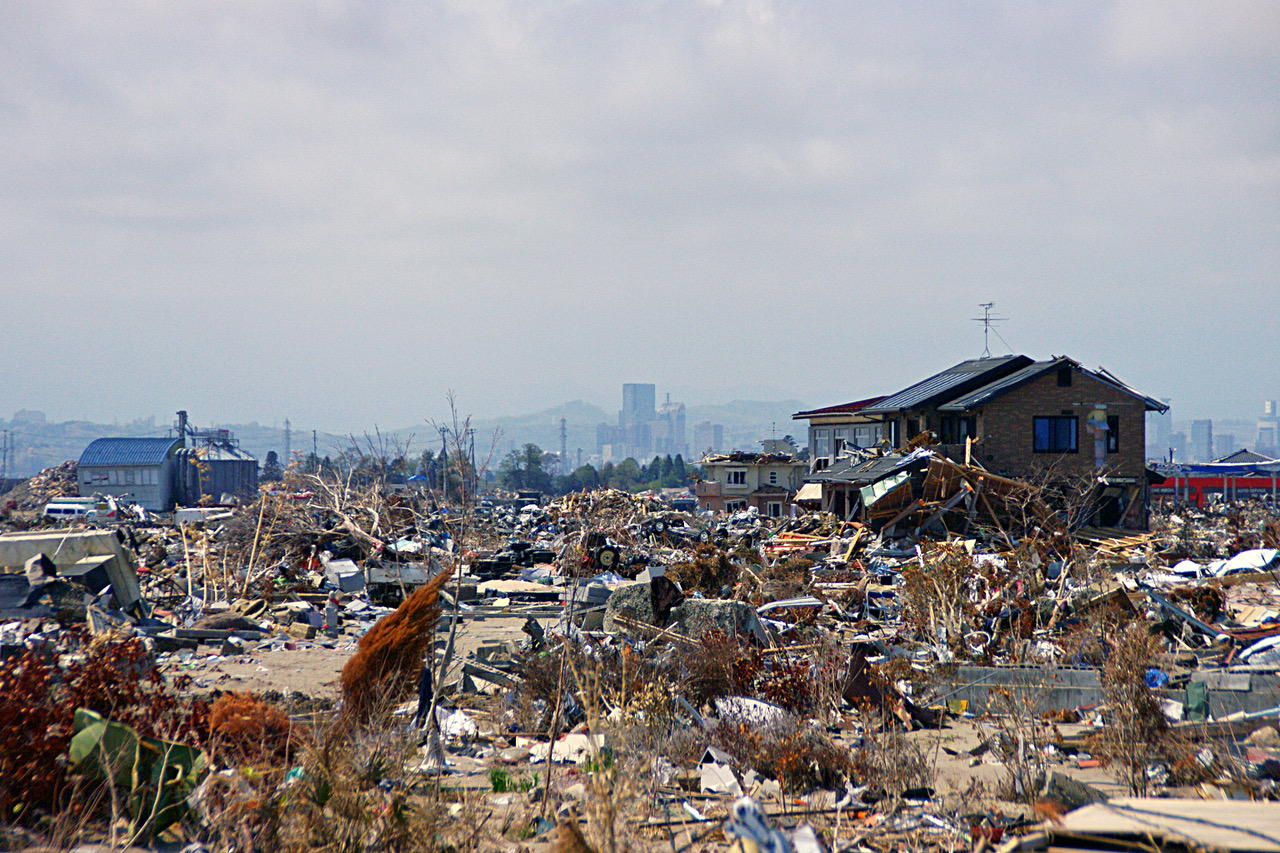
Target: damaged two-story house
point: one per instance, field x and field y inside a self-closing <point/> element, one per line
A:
<point x="1053" y="421"/>
<point x="741" y="480"/>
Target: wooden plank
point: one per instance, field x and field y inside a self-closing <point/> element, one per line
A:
<point x="214" y="634"/>
<point x="1217" y="824"/>
<point x="487" y="673"/>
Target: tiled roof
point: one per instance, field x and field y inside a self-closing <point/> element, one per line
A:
<point x="1243" y="457"/>
<point x="127" y="451"/>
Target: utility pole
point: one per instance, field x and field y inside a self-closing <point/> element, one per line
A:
<point x="288" y="443"/>
<point x="475" y="475"/>
<point x="444" y="471"/>
<point x="564" y="445"/>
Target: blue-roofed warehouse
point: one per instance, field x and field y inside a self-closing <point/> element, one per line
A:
<point x="139" y="470"/>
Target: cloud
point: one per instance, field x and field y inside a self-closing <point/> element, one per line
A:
<point x="515" y="198"/>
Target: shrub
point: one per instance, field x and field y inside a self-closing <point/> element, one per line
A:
<point x="34" y="732"/>
<point x="37" y="708"/>
<point x="248" y="731"/>
<point x="801" y="758"/>
<point x="390" y="656"/>
<point x="709" y="572"/>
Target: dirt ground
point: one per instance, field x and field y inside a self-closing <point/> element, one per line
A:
<point x="314" y="666"/>
<point x="313" y="669"/>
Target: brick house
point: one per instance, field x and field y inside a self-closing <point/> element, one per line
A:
<point x="914" y="409"/>
<point x="736" y="481"/>
<point x="1041" y="420"/>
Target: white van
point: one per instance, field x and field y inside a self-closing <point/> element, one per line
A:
<point x="69" y="511"/>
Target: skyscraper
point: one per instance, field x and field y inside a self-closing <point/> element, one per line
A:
<point x="1201" y="449"/>
<point x="636" y="419"/>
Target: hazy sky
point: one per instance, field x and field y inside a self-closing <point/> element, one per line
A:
<point x="337" y="211"/>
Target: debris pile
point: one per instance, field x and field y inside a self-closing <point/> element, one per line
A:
<point x="951" y="665"/>
<point x="51" y="483"/>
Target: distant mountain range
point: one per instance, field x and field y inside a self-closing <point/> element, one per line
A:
<point x="38" y="444"/>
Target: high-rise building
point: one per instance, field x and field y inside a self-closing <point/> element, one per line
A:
<point x="643" y="429"/>
<point x="637" y="404"/>
<point x="1201" y="448"/>
<point x="1269" y="429"/>
<point x="636" y="419"/>
<point x="1159" y="428"/>
<point x="707" y="436"/>
<point x="669" y="429"/>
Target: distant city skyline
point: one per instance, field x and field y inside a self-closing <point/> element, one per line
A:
<point x="1228" y="434"/>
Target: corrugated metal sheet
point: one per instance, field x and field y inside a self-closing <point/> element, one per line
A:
<point x="127" y="451"/>
<point x="224" y="453"/>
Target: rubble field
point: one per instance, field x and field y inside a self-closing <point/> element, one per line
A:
<point x="339" y="665"/>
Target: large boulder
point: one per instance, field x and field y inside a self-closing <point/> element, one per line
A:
<point x="632" y="602"/>
<point x="693" y="617"/>
<point x="696" y="616"/>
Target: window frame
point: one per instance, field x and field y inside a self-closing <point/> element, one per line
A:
<point x="821" y="441"/>
<point x="1113" y="433"/>
<point x="1053" y="423"/>
<point x="735" y="476"/>
<point x="954" y="429"/>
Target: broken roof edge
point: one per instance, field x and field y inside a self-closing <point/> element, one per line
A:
<point x="746" y="457"/>
<point x="851" y="408"/>
<point x="980" y="396"/>
<point x="1153" y="405"/>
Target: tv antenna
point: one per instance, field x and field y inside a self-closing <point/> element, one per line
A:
<point x="988" y="321"/>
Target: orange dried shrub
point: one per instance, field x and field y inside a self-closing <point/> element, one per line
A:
<point x="388" y="660"/>
<point x="248" y="731"/>
<point x="34" y="732"/>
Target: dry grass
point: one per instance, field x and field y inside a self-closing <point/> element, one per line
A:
<point x="355" y="794"/>
<point x="390" y="656"/>
<point x="1137" y="734"/>
<point x="247" y="731"/>
<point x="709" y="572"/>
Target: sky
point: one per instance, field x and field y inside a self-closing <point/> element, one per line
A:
<point x="340" y="212"/>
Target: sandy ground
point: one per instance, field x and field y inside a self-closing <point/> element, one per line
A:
<point x="313" y="669"/>
<point x="314" y="666"/>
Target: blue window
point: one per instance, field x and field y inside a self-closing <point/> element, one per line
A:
<point x="1055" y="435"/>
